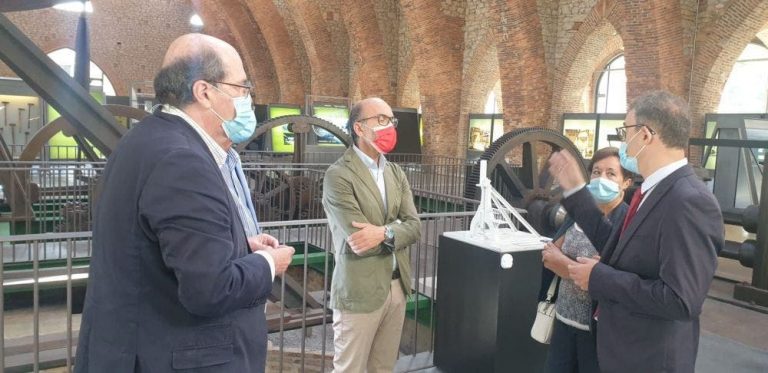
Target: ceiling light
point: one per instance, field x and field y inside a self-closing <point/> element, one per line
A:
<point x="74" y="6"/>
<point x="195" y="20"/>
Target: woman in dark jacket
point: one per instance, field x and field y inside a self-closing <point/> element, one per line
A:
<point x="572" y="346"/>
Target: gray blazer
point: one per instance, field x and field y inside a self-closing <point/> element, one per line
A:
<point x="653" y="279"/>
<point x="173" y="286"/>
<point x="361" y="283"/>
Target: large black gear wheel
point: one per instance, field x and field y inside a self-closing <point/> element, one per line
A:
<point x="290" y="195"/>
<point x="300" y="125"/>
<point x="527" y="184"/>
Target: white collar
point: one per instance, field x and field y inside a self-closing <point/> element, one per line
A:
<point x="368" y="161"/>
<point x="219" y="154"/>
<point x="660" y="174"/>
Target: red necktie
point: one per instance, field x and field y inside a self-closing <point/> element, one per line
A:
<point x="633" y="205"/>
<point x="636" y="199"/>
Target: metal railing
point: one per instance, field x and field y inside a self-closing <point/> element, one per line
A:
<point x="51" y="153"/>
<point x="51" y="269"/>
<point x="42" y="197"/>
<point x="47" y="197"/>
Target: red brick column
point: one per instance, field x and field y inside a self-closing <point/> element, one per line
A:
<point x="249" y="42"/>
<point x="327" y="79"/>
<point x="365" y="38"/>
<point x="524" y="77"/>
<point x="438" y="51"/>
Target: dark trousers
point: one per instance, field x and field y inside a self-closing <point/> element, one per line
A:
<point x="571" y="350"/>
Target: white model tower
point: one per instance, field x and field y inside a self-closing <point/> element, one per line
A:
<point x="494" y="221"/>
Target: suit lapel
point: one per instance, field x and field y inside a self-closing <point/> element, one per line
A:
<point x="237" y="224"/>
<point x="355" y="164"/>
<point x="657" y="194"/>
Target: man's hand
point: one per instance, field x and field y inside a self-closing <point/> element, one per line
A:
<point x="565" y="168"/>
<point x="579" y="272"/>
<point x="282" y="256"/>
<point x="262" y="242"/>
<point x="368" y="237"/>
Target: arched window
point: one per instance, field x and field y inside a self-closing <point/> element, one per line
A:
<point x="65" y="58"/>
<point x="746" y="90"/>
<point x="490" y="103"/>
<point x="611" y="92"/>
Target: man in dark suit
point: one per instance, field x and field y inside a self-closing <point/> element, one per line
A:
<point x="655" y="272"/>
<point x="174" y="285"/>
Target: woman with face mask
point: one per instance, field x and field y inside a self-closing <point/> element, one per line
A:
<point x="572" y="346"/>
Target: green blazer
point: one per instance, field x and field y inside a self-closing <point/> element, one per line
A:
<point x="361" y="282"/>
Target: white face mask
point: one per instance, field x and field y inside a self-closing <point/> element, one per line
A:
<point x="240" y="128"/>
<point x="629" y="162"/>
<point x="603" y="190"/>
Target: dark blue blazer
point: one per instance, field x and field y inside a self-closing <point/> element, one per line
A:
<point x="172" y="285"/>
<point x="653" y="279"/>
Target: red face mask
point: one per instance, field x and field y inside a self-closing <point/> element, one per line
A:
<point x="386" y="139"/>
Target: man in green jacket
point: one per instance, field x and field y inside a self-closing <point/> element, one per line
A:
<point x="373" y="220"/>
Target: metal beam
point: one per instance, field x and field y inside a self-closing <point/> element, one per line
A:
<point x="58" y="89"/>
<point x="20" y="5"/>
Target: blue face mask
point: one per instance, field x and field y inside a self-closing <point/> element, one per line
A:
<point x="242" y="126"/>
<point x="603" y="190"/>
<point x="629" y="163"/>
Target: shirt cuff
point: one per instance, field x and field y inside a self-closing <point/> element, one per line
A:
<point x="571" y="192"/>
<point x="271" y="262"/>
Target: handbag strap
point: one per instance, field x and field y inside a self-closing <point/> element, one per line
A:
<point x="552" y="287"/>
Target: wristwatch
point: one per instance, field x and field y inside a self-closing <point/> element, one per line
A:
<point x="389" y="234"/>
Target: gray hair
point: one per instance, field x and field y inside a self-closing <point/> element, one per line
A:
<point x="354" y="116"/>
<point x="173" y="83"/>
<point x="665" y="113"/>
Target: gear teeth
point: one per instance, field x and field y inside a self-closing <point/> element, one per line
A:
<point x="560" y="141"/>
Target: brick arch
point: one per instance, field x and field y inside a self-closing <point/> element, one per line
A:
<point x="408" y="92"/>
<point x="523" y="68"/>
<point x="327" y="79"/>
<point x="654" y="44"/>
<point x="366" y="39"/>
<point x="231" y="21"/>
<point x="284" y="56"/>
<point x="481" y="75"/>
<point x="720" y="44"/>
<point x="437" y="41"/>
<point x="596" y="40"/>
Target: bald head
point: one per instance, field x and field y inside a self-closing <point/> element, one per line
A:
<point x="189" y="45"/>
<point x="366" y="108"/>
<point x="194" y="57"/>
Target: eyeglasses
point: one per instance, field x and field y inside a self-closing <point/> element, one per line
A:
<point x="621" y="132"/>
<point x="382" y="120"/>
<point x="247" y="87"/>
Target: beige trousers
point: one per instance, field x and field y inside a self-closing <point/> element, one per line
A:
<point x="369" y="340"/>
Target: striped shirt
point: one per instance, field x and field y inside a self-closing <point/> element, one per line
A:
<point x="232" y="172"/>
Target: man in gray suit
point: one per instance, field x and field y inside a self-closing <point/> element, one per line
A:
<point x="373" y="220"/>
<point x="655" y="272"/>
<point x="179" y="273"/>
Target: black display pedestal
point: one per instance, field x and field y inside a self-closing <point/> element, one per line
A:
<point x="485" y="312"/>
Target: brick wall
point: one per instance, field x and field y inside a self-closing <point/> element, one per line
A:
<point x="230" y="18"/>
<point x="327" y="74"/>
<point x="445" y="55"/>
<point x="438" y="60"/>
<point x="128" y="51"/>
